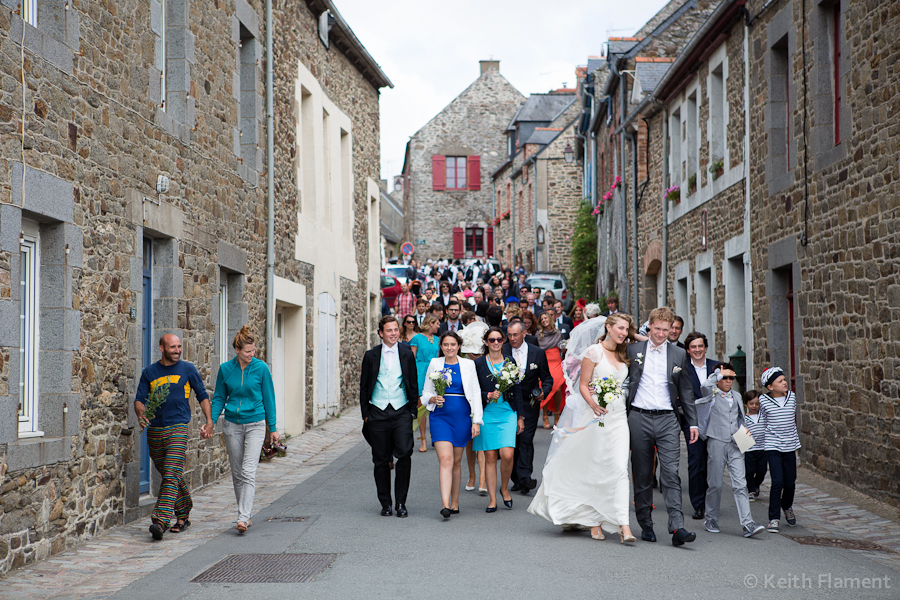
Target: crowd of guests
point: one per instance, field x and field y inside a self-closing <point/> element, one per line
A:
<point x="470" y="328"/>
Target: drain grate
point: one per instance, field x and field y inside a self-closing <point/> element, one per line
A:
<point x="815" y="540"/>
<point x="286" y="519"/>
<point x="266" y="568"/>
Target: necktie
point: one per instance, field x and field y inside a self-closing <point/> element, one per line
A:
<point x="655" y="348"/>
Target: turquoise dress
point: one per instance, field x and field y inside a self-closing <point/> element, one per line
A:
<point x="426" y="351"/>
<point x="499" y="429"/>
<point x="452" y="422"/>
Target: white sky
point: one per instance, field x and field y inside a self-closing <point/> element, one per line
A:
<point x="430" y="50"/>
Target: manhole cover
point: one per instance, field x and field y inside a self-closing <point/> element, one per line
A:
<point x="286" y="519"/>
<point x="815" y="540"/>
<point x="266" y="568"/>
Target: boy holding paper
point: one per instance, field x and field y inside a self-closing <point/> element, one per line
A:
<point x="720" y="419"/>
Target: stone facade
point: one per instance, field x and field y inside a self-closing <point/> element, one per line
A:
<point x="472" y="125"/>
<point x="787" y="249"/>
<point x="102" y="247"/>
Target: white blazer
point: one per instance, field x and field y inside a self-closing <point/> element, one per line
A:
<point x="469" y="381"/>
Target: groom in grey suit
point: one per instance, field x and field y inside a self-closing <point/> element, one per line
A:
<point x="658" y="374"/>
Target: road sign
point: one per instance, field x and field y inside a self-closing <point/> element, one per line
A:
<point x="420" y="241"/>
<point x="407" y="248"/>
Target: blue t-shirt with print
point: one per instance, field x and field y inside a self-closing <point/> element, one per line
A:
<point x="182" y="377"/>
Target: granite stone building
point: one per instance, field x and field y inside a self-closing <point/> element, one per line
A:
<point x="133" y="203"/>
<point x="536" y="192"/>
<point x="779" y="237"/>
<point x="448" y="204"/>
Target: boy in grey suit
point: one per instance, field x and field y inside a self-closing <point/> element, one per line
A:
<point x="719" y="417"/>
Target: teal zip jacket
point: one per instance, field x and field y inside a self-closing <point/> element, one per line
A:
<point x="247" y="396"/>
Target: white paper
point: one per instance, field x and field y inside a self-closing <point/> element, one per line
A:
<point x="743" y="439"/>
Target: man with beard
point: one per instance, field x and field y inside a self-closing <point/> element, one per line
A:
<point x="167" y="431"/>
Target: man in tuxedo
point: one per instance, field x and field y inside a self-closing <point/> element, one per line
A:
<point x="533" y="363"/>
<point x="676" y="331"/>
<point x="388" y="398"/>
<point x="612" y="306"/>
<point x="701" y="369"/>
<point x="421" y="311"/>
<point x="564" y="324"/>
<point x="452" y="323"/>
<point x="659" y="373"/>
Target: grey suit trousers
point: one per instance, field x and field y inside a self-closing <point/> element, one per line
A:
<point x="720" y="455"/>
<point x="663" y="432"/>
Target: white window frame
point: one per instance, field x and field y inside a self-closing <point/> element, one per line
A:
<point x="223" y="318"/>
<point x="30" y="12"/>
<point x="29" y="329"/>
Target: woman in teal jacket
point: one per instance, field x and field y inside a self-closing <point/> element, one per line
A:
<point x="244" y="389"/>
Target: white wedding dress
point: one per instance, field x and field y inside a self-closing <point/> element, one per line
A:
<point x="585" y="478"/>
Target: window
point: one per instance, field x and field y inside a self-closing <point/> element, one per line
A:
<point x="836" y="68"/>
<point x="704" y="321"/>
<point x="717" y="114"/>
<point x="248" y="99"/>
<point x="676" y="169"/>
<point x="474" y="242"/>
<point x="223" y="318"/>
<point x="780" y="93"/>
<point x="30" y="12"/>
<point x="693" y="138"/>
<point x="456" y="172"/>
<point x="29" y="339"/>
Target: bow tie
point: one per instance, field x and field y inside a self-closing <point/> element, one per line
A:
<point x="656" y="348"/>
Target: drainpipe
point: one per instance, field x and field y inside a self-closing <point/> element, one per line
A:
<point x="634" y="253"/>
<point x="534" y="187"/>
<point x="749" y="289"/>
<point x="623" y="262"/>
<point x="512" y="226"/>
<point x="270" y="192"/>
<point x="665" y="208"/>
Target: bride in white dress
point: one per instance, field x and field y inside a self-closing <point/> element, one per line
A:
<point x="585" y="477"/>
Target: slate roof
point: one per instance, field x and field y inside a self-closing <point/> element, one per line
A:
<point x="595" y="63"/>
<point x="621" y="46"/>
<point x="651" y="73"/>
<point x="542" y="136"/>
<point x="543" y="107"/>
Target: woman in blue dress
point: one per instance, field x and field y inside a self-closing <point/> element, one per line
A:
<point x="455" y="416"/>
<point x="425" y="347"/>
<point x="503" y="418"/>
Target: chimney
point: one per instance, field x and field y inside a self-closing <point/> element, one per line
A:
<point x="489" y="65"/>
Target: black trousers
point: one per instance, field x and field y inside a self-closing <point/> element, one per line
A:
<point x="523" y="458"/>
<point x="696" y="468"/>
<point x="755" y="464"/>
<point x="389" y="433"/>
<point x="783" y="468"/>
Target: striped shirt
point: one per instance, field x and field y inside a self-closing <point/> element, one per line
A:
<point x="777" y="415"/>
<point x="751" y="422"/>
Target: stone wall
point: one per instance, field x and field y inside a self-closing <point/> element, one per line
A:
<point x="474" y="123"/>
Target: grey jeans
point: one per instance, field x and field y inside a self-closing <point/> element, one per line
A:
<point x="243" y="443"/>
<point x="726" y="454"/>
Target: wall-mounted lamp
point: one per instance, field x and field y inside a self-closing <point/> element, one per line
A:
<point x="569" y="153"/>
<point x="162" y="184"/>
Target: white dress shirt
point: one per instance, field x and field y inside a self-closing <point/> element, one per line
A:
<point x="653" y="388"/>
<point x="702" y="375"/>
<point x="520" y="355"/>
<point x="391" y="355"/>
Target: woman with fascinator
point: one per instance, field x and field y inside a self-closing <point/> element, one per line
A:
<point x="585" y="477"/>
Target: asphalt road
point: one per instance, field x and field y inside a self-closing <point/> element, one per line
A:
<point x="507" y="554"/>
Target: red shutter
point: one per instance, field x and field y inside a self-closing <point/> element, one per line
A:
<point x="459" y="242"/>
<point x="438" y="172"/>
<point x="490" y="241"/>
<point x="474" y="172"/>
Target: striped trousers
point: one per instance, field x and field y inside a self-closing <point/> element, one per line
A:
<point x="168" y="446"/>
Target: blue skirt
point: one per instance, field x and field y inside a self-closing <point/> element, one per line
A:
<point x="452" y="422"/>
<point x="499" y="429"/>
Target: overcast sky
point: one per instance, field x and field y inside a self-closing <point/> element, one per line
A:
<point x="430" y="50"/>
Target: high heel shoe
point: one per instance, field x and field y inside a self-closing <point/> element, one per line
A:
<point x="508" y="503"/>
<point x="490" y="509"/>
<point x="599" y="535"/>
<point x="626" y="539"/>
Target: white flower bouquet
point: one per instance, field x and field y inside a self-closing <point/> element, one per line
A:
<point x="441" y="380"/>
<point x="508" y="376"/>
<point x="606" y="389"/>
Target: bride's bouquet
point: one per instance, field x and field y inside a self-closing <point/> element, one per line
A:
<point x="508" y="376"/>
<point x="606" y="389"/>
<point x="441" y="380"/>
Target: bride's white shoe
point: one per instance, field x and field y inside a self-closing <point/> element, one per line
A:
<point x="599" y="535"/>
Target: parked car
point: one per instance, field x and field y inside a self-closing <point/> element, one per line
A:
<point x="491" y="265"/>
<point x="398" y="271"/>
<point x="390" y="287"/>
<point x="554" y="281"/>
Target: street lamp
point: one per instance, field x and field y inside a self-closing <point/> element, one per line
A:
<point x="398" y="184"/>
<point x="569" y="154"/>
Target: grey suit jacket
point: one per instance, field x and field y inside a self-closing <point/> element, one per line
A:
<point x="677" y="365"/>
<point x="715" y="418"/>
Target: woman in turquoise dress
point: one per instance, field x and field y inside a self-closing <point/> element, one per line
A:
<point x="425" y="346"/>
<point x="503" y="419"/>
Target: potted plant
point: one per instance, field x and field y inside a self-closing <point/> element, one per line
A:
<point x="717" y="169"/>
<point x="692" y="184"/>
<point x="674" y="194"/>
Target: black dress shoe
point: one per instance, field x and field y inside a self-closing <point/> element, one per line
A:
<point x="454" y="511"/>
<point x="508" y="503"/>
<point x="683" y="535"/>
<point x="647" y="535"/>
<point x="386" y="510"/>
<point x="401" y="511"/>
<point x="699" y="513"/>
<point x="516" y="487"/>
<point x="445" y="512"/>
<point x="490" y="509"/>
<point x="532" y="483"/>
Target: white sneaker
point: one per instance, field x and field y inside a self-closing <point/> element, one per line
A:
<point x="752" y="529"/>
<point x="773" y="526"/>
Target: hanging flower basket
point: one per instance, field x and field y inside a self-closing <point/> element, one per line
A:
<point x="673" y="194"/>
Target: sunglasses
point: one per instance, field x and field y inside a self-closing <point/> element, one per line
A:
<point x="494" y="340"/>
<point x="728" y="377"/>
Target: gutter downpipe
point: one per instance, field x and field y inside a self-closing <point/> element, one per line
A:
<point x="634" y="191"/>
<point x="270" y="192"/>
<point x="748" y="336"/>
<point x="623" y="102"/>
<point x="534" y="188"/>
<point x="512" y="225"/>
<point x="665" y="207"/>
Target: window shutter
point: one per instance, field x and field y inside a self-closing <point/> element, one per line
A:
<point x="490" y="241"/>
<point x="474" y="168"/>
<point x="459" y="242"/>
<point x="438" y="172"/>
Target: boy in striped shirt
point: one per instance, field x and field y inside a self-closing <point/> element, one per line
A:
<point x="778" y="415"/>
<point x="755" y="463"/>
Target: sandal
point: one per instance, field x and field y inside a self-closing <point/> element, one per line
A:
<point x="546" y="422"/>
<point x="179" y="527"/>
